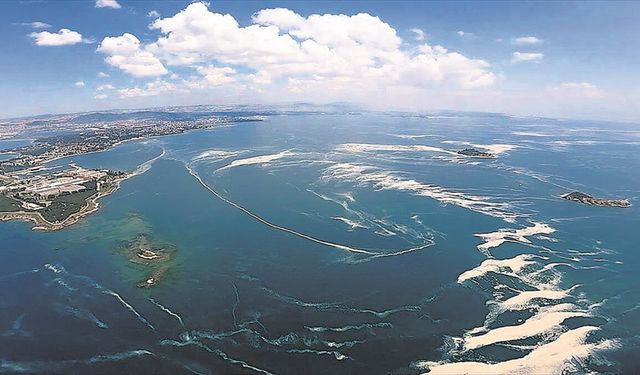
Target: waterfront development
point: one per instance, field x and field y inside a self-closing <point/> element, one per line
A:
<point x="320" y="241"/>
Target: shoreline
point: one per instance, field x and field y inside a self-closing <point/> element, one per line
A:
<point x="42" y="224"/>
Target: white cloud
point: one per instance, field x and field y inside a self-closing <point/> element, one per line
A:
<point x="419" y="34"/>
<point x="217" y="76"/>
<point x="464" y="34"/>
<point x="101" y="96"/>
<point x="107" y="4"/>
<point x="125" y="53"/>
<point x="526" y="40"/>
<point x="150" y="89"/>
<point x="283" y="55"/>
<point x="102" y="75"/>
<point x="61" y="38"/>
<point x="526" y="56"/>
<point x="79" y="84"/>
<point x="578" y="90"/>
<point x="105" y="87"/>
<point x="39" y="25"/>
<point x="153" y="14"/>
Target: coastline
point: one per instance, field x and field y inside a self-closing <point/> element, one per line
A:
<point x="41" y="224"/>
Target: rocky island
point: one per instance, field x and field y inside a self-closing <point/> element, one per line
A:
<point x="152" y="257"/>
<point x="584" y="198"/>
<point x="475" y="153"/>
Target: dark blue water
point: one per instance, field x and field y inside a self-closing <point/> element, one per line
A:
<point x="342" y="244"/>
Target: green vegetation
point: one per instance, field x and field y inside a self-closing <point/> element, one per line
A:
<point x="8" y="204"/>
<point x="66" y="205"/>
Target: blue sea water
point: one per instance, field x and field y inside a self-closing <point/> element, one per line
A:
<point x="342" y="243"/>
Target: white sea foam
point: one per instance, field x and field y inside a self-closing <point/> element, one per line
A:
<point x="524" y="299"/>
<point x="557" y="357"/>
<point x="355" y="148"/>
<point x="129" y="307"/>
<point x="119" y="356"/>
<point x="144" y="167"/>
<point x="512" y="267"/>
<point x="548" y="319"/>
<point x="55" y="268"/>
<point x="532" y="134"/>
<point x="384" y="180"/>
<point x="165" y="309"/>
<point x="373" y="253"/>
<point x="352" y="224"/>
<point x="495" y="239"/>
<point x="367" y="326"/>
<point x="337" y="355"/>
<point x="262" y="159"/>
<point x="215" y="155"/>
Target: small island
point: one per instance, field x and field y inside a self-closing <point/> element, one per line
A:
<point x="153" y="257"/>
<point x="583" y="198"/>
<point x="55" y="200"/>
<point x="475" y="153"/>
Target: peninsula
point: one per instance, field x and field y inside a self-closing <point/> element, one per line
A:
<point x="54" y="201"/>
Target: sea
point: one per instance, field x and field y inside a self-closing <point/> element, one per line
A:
<point x="346" y="242"/>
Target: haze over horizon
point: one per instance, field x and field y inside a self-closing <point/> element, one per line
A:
<point x="570" y="60"/>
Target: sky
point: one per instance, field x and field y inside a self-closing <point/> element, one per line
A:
<point x="555" y="59"/>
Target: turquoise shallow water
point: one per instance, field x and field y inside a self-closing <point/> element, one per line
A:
<point x="342" y="244"/>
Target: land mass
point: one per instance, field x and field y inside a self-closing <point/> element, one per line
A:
<point x="475" y="153"/>
<point x="584" y="198"/>
<point x="54" y="200"/>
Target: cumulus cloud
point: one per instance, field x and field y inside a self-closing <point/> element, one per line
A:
<point x="107" y="4"/>
<point x="217" y="76"/>
<point x="102" y="75"/>
<point x="125" y="53"/>
<point x="526" y="40"/>
<point x="464" y="34"/>
<point x="527" y="56"/>
<point x="79" y="84"/>
<point x="153" y="14"/>
<point x="61" y="38"/>
<point x="419" y="34"/>
<point x="335" y="55"/>
<point x="101" y="96"/>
